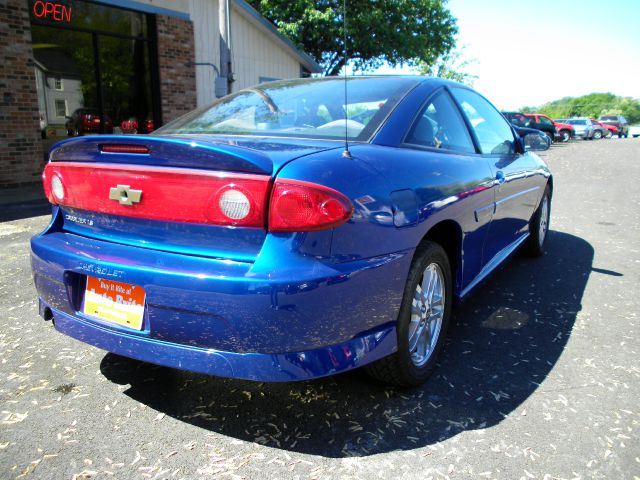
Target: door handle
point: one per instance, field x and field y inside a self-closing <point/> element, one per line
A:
<point x="500" y="177"/>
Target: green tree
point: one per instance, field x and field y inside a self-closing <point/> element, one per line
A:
<point x="451" y="66"/>
<point x="592" y="105"/>
<point x="393" y="31"/>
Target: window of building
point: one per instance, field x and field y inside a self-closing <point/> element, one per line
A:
<point x="100" y="62"/>
<point x="61" y="108"/>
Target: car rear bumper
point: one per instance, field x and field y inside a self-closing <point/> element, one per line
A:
<point x="307" y="319"/>
<point x="274" y="367"/>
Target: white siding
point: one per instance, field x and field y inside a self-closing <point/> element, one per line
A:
<point x="204" y="14"/>
<point x="255" y="54"/>
<point x="47" y="96"/>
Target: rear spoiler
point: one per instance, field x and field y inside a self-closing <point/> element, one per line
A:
<point x="160" y="151"/>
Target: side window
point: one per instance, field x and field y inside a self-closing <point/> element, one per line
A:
<point x="441" y="126"/>
<point x="491" y="129"/>
<point x="545" y="121"/>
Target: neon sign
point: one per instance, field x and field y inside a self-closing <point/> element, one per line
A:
<point x="52" y="11"/>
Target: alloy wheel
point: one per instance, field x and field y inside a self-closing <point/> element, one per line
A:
<point x="427" y="313"/>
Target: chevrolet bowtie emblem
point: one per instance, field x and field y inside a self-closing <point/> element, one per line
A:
<point x="125" y="195"/>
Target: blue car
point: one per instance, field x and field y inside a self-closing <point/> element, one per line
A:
<point x="286" y="233"/>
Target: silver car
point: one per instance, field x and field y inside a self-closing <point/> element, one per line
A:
<point x="584" y="128"/>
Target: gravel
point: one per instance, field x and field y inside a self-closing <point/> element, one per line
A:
<point x="539" y="377"/>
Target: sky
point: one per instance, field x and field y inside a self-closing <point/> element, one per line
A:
<point x="532" y="52"/>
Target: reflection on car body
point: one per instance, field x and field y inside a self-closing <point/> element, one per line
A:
<point x="266" y="253"/>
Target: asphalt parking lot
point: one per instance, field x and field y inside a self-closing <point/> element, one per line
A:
<point x="539" y="379"/>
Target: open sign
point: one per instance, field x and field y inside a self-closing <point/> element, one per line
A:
<point x="57" y="12"/>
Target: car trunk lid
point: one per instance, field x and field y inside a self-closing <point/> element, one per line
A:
<point x="168" y="193"/>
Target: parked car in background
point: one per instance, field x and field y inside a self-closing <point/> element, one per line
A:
<point x="599" y="130"/>
<point x="634" y="131"/>
<point x="563" y="131"/>
<point x="86" y="120"/>
<point x="529" y="121"/>
<point x="617" y="121"/>
<point x="236" y="240"/>
<point x="583" y="128"/>
<point x="554" y="129"/>
<point x="517" y="119"/>
<point x="609" y="131"/>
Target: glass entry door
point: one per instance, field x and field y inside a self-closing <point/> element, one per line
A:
<point x="95" y="73"/>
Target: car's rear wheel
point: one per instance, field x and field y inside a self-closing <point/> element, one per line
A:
<point x="597" y="135"/>
<point x="539" y="226"/>
<point x="565" y="135"/>
<point x="422" y="322"/>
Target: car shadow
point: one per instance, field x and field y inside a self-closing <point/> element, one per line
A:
<point x="504" y="342"/>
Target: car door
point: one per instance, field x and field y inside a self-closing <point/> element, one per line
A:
<point x="515" y="186"/>
<point x="450" y="180"/>
<point x="546" y="125"/>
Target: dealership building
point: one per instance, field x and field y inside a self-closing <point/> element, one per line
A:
<point x="73" y="67"/>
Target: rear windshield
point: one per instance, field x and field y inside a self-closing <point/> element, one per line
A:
<point x="577" y="122"/>
<point x="299" y="108"/>
<point x="609" y="117"/>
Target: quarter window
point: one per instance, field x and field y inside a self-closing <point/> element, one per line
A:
<point x="493" y="132"/>
<point x="441" y="126"/>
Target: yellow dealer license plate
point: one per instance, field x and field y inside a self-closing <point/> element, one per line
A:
<point x="116" y="302"/>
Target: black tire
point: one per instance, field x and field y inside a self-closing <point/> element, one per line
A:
<point x="597" y="135"/>
<point x="609" y="134"/>
<point x="550" y="135"/>
<point x="620" y="135"/>
<point x="565" y="135"/>
<point x="399" y="368"/>
<point x="538" y="232"/>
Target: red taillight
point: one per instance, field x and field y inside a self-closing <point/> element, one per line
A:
<point x="195" y="196"/>
<point x="298" y="206"/>
<point x="124" y="148"/>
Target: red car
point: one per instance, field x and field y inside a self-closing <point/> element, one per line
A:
<point x="611" y="129"/>
<point x="563" y="131"/>
<point x="86" y="120"/>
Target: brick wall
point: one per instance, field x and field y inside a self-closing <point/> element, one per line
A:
<point x="177" y="80"/>
<point x="21" y="158"/>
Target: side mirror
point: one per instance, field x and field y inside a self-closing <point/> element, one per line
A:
<point x="537" y="142"/>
